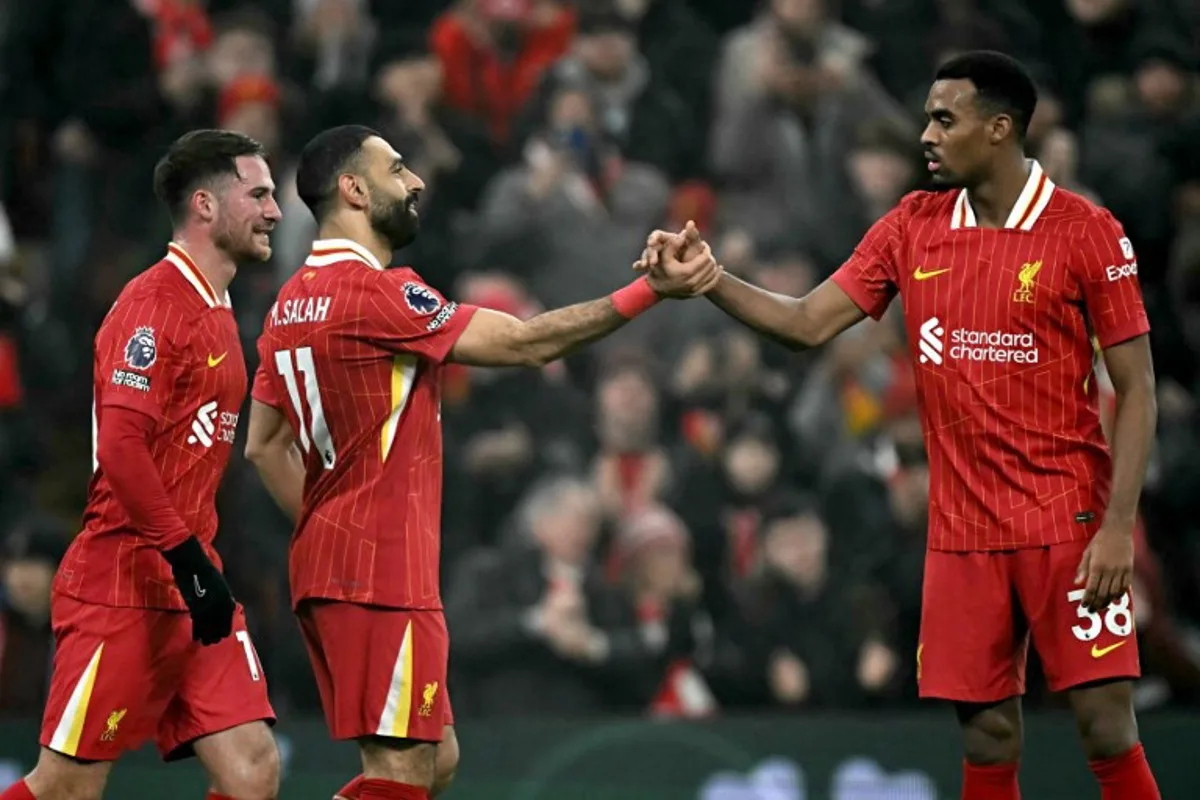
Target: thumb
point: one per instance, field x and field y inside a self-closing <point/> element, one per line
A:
<point x="1081" y="572"/>
<point x="691" y="233"/>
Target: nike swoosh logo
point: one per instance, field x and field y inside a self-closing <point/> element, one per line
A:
<point x="1101" y="652"/>
<point x="201" y="592"/>
<point x="212" y="362"/>
<point x="921" y="275"/>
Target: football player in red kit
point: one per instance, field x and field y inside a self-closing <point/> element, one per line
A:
<point x="150" y="643"/>
<point x="1007" y="279"/>
<point x="345" y="428"/>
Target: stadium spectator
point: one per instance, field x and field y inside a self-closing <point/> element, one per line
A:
<point x="31" y="553"/>
<point x="574" y="185"/>
<point x="494" y="52"/>
<point x="333" y="43"/>
<point x="535" y="627"/>
<point x="681" y="50"/>
<point x="638" y="113"/>
<point x="807" y="624"/>
<point x="504" y="428"/>
<point x="791" y="92"/>
<point x="633" y="466"/>
<point x="654" y="551"/>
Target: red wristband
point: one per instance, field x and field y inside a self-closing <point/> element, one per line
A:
<point x="631" y="300"/>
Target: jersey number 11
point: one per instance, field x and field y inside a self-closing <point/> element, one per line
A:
<point x="315" y="431"/>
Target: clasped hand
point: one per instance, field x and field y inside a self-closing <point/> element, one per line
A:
<point x="679" y="264"/>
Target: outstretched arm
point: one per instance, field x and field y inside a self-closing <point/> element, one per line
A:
<point x="795" y="322"/>
<point x="496" y="339"/>
<point x="493" y="339"/>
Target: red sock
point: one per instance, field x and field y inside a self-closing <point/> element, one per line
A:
<point x="1125" y="777"/>
<point x="378" y="789"/>
<point x="214" y="796"/>
<point x="991" y="782"/>
<point x="18" y="791"/>
<point x="351" y="790"/>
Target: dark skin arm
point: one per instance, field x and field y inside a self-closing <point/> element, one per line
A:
<point x="795" y="322"/>
<point x="1106" y="569"/>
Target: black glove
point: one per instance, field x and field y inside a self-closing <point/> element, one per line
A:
<point x="208" y="598"/>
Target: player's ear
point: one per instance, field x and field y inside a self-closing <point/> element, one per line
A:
<point x="1001" y="126"/>
<point x="204" y="204"/>
<point x="353" y="190"/>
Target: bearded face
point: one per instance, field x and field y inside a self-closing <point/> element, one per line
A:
<point x="395" y="217"/>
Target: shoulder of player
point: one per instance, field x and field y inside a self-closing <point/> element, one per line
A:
<point x="1077" y="216"/>
<point x="924" y="204"/>
<point x="402" y="274"/>
<point x="399" y="278"/>
<point x="406" y="291"/>
<point x="158" y="301"/>
<point x="1066" y="204"/>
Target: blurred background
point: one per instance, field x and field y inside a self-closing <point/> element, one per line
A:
<point x="727" y="537"/>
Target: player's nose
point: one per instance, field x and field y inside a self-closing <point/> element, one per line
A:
<point x="929" y="137"/>
<point x="272" y="212"/>
<point x="414" y="183"/>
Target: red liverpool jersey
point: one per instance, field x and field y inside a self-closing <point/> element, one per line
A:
<point x="1001" y="325"/>
<point x="168" y="348"/>
<point x="351" y="352"/>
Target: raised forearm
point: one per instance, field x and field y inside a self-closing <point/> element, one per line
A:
<point x="558" y="333"/>
<point x="493" y="339"/>
<point x="1132" y="436"/>
<point x="771" y="314"/>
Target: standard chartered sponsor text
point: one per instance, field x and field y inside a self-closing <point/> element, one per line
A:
<point x="997" y="347"/>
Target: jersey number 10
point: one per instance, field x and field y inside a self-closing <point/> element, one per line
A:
<point x="314" y="431"/>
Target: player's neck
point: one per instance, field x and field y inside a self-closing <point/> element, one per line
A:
<point x="357" y="229"/>
<point x="994" y="199"/>
<point x="213" y="263"/>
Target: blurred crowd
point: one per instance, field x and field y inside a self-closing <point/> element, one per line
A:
<point x="685" y="519"/>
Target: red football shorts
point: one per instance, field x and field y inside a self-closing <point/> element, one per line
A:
<point x="979" y="610"/>
<point x="126" y="675"/>
<point x="380" y="671"/>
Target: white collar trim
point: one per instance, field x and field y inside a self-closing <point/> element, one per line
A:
<point x="333" y="251"/>
<point x="186" y="265"/>
<point x="1025" y="212"/>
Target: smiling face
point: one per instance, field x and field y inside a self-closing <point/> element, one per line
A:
<point x="246" y="211"/>
<point x="961" y="135"/>
<point x="394" y="191"/>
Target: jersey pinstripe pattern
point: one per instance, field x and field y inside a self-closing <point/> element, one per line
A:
<point x="351" y="353"/>
<point x="1002" y="325"/>
<point x="168" y="348"/>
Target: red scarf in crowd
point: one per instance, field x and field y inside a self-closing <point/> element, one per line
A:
<point x="683" y="691"/>
<point x="10" y="374"/>
<point x="181" y="29"/>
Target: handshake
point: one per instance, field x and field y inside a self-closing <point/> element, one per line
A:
<point x="680" y="264"/>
